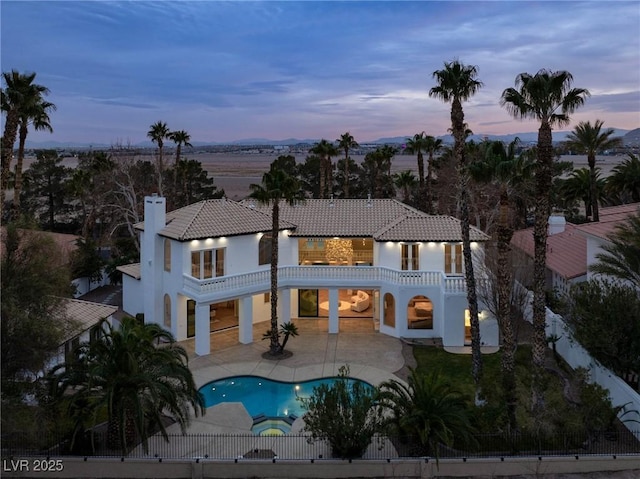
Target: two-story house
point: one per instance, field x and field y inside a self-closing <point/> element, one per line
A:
<point x="206" y="267"/>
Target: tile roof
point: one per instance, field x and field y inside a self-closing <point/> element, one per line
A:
<point x="566" y="251"/>
<point x="413" y="227"/>
<point x="82" y="315"/>
<point x="215" y="218"/>
<point x="132" y="270"/>
<point x="610" y="217"/>
<point x="65" y="243"/>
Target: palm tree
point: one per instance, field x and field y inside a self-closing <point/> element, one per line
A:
<point x="36" y="112"/>
<point x="346" y="142"/>
<point x="624" y="180"/>
<point x="578" y="187"/>
<point x="276" y="186"/>
<point x="590" y="139"/>
<point x="427" y="411"/>
<point x="180" y="138"/>
<point x="433" y="145"/>
<point x="406" y="181"/>
<point x="20" y="92"/>
<point x="128" y="375"/>
<point x="457" y="83"/>
<point x="159" y="132"/>
<point x="417" y="146"/>
<point x="621" y="258"/>
<point x="547" y="97"/>
<point x="325" y="151"/>
<point x="499" y="166"/>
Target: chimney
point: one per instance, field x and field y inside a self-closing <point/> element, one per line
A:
<point x="557" y="224"/>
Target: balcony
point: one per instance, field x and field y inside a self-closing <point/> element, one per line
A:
<point x="226" y="287"/>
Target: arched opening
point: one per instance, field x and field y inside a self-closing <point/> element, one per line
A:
<point x="167" y="312"/>
<point x="389" y="308"/>
<point x="420" y="313"/>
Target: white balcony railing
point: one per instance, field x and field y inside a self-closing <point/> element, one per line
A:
<point x="322" y="276"/>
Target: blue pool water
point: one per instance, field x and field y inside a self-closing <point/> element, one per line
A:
<point x="264" y="397"/>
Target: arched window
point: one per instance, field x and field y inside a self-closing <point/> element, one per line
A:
<point x="264" y="249"/>
<point x="167" y="312"/>
<point x="167" y="255"/>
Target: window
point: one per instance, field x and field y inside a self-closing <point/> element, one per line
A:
<point x="264" y="250"/>
<point x="267" y="297"/>
<point x="453" y="258"/>
<point x="410" y="257"/>
<point x="208" y="263"/>
<point x="167" y="311"/>
<point x="167" y="255"/>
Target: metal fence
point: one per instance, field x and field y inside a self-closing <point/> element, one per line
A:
<point x="302" y="447"/>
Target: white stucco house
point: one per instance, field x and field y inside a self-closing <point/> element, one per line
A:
<point x="206" y="267"/>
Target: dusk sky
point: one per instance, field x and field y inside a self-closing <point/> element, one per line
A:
<point x="231" y="70"/>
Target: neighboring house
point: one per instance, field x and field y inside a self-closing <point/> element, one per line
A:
<point x="566" y="254"/>
<point x="206" y="267"/>
<point x="597" y="234"/>
<point x="81" y="320"/>
<point x="66" y="243"/>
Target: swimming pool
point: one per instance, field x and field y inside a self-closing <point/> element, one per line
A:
<point x="265" y="399"/>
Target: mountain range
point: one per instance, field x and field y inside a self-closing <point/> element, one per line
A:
<point x="631" y="138"/>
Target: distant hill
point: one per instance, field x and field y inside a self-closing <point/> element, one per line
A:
<point x="631" y="138"/>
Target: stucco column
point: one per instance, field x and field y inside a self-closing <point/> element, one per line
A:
<point x="245" y="320"/>
<point x="284" y="306"/>
<point x="333" y="311"/>
<point x="203" y="330"/>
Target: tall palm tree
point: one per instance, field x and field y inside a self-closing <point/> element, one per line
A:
<point x="621" y="258"/>
<point x="277" y="186"/>
<point x="417" y="146"/>
<point x="501" y="167"/>
<point x="325" y="151"/>
<point x="20" y="92"/>
<point x="549" y="98"/>
<point x="456" y="83"/>
<point x="36" y="112"/>
<point x="128" y="375"/>
<point x="433" y="145"/>
<point x="346" y="142"/>
<point x="590" y="139"/>
<point x="406" y="181"/>
<point x="180" y="138"/>
<point x="158" y="132"/>
<point x="624" y="180"/>
<point x="426" y="411"/>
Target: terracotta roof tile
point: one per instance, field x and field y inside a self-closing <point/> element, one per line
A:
<point x="82" y="315"/>
<point x="132" y="270"/>
<point x="426" y="228"/>
<point x="610" y="217"/>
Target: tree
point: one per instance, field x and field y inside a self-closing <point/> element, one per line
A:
<point x="159" y="132"/>
<point x="501" y="168"/>
<point x="605" y="320"/>
<point x="456" y="83"/>
<point x="196" y="185"/>
<point x="433" y="145"/>
<point x="406" y="181"/>
<point x="86" y="262"/>
<point x="426" y="412"/>
<point x="45" y="190"/>
<point x="624" y="180"/>
<point x="346" y="142"/>
<point x="375" y="174"/>
<point x="344" y="413"/>
<point x="180" y="138"/>
<point x="547" y="97"/>
<point x="34" y="111"/>
<point x="579" y="187"/>
<point x="590" y="139"/>
<point x="325" y="151"/>
<point x="19" y="94"/>
<point x="621" y="258"/>
<point x="276" y="186"/>
<point x="126" y="374"/>
<point x="310" y="175"/>
<point x="417" y="146"/>
<point x="33" y="283"/>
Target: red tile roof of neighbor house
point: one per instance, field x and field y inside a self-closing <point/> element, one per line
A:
<point x="610" y="217"/>
<point x="566" y="251"/>
<point x="66" y="243"/>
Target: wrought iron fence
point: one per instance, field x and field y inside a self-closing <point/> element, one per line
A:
<point x="301" y="447"/>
